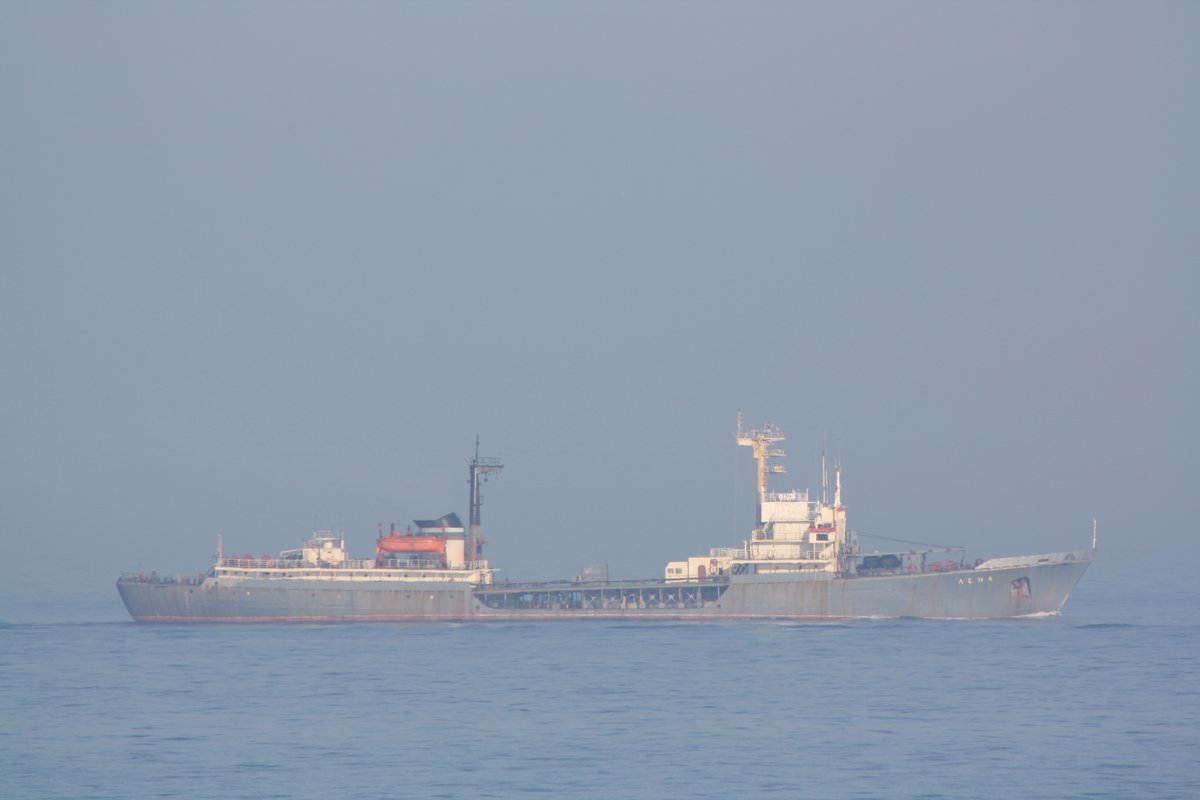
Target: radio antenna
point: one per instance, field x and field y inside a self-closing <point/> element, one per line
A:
<point x="480" y="469"/>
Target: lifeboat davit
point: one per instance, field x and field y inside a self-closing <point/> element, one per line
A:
<point x="433" y="545"/>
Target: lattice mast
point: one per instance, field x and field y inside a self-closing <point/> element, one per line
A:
<point x="480" y="469"/>
<point x="760" y="440"/>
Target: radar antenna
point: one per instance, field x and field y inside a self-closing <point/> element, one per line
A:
<point x="760" y="440"/>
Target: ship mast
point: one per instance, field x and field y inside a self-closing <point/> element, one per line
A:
<point x="480" y="468"/>
<point x="760" y="440"/>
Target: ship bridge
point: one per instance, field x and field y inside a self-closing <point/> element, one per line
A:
<point x="793" y="532"/>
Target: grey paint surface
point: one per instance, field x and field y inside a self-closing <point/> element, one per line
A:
<point x="968" y="594"/>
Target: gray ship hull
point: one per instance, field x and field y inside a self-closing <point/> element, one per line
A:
<point x="1037" y="585"/>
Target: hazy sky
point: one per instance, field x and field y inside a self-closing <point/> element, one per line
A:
<point x="272" y="265"/>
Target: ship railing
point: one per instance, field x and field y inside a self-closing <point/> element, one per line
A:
<point x="349" y="564"/>
<point x="269" y="562"/>
<point x="154" y="577"/>
<point x="812" y="555"/>
<point x="787" y="497"/>
<point x="727" y="552"/>
<point x="258" y="563"/>
<point x="404" y="563"/>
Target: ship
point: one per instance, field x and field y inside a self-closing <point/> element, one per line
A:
<point x="801" y="562"/>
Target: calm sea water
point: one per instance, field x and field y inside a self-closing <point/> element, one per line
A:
<point x="1100" y="703"/>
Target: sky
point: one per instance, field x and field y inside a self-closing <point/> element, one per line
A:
<point x="271" y="267"/>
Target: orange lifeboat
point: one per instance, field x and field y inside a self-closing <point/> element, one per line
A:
<point x="434" y="545"/>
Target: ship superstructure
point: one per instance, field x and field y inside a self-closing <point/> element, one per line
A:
<point x="793" y="532"/>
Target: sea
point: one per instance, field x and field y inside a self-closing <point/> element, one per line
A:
<point x="1100" y="702"/>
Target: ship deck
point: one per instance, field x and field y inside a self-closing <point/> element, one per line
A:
<point x="602" y="596"/>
